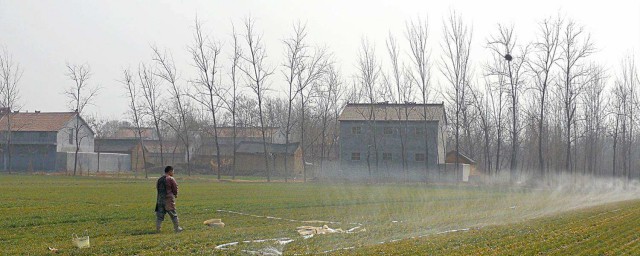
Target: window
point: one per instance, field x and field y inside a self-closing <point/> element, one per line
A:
<point x="387" y="156"/>
<point x="42" y="134"/>
<point x="419" y="131"/>
<point x="355" y="156"/>
<point x="356" y="130"/>
<point x="388" y="130"/>
<point x="71" y="136"/>
<point x="420" y="157"/>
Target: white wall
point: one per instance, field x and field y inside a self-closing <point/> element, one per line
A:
<point x="449" y="173"/>
<point x="88" y="162"/>
<point x="87" y="142"/>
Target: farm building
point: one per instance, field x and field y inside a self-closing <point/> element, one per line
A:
<point x="45" y="141"/>
<point x="172" y="152"/>
<point x="155" y="152"/>
<point x="120" y="146"/>
<point x="272" y="134"/>
<point x="205" y="152"/>
<point x="250" y="158"/>
<point x="462" y="159"/>
<point x="391" y="141"/>
<point x="148" y="133"/>
<point x="202" y="147"/>
<point x="34" y="139"/>
<point x="466" y="167"/>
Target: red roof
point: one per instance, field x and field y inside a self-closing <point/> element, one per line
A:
<point x="36" y="122"/>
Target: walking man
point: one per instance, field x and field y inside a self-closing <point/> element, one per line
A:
<point x="166" y="200"/>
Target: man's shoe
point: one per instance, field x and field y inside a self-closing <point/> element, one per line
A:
<point x="179" y="229"/>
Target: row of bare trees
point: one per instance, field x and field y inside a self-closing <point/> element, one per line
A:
<point x="229" y="94"/>
<point x="557" y="109"/>
<point x="536" y="108"/>
<point x="533" y="108"/>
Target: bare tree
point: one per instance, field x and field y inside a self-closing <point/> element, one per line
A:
<point x="235" y="60"/>
<point x="456" y="68"/>
<point x="312" y="69"/>
<point x="10" y="74"/>
<point x="205" y="57"/>
<point x="626" y="101"/>
<point x="80" y="95"/>
<point x="136" y="114"/>
<point x="575" y="46"/>
<point x="545" y="57"/>
<point x="594" y="103"/>
<point x="399" y="81"/>
<point x="496" y="85"/>
<point x="417" y="33"/>
<point x="328" y="95"/>
<point x="482" y="103"/>
<point x="617" y="111"/>
<point x="368" y="80"/>
<point x="152" y="103"/>
<point x="295" y="49"/>
<point x="167" y="71"/>
<point x="505" y="44"/>
<point x="257" y="72"/>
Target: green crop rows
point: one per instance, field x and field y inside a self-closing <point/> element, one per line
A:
<point x="410" y="219"/>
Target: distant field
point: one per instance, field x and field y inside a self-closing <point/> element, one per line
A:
<point x="43" y="211"/>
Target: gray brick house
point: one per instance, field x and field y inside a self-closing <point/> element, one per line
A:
<point x="391" y="141"/>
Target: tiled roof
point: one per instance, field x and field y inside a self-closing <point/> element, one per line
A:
<point x="257" y="147"/>
<point x="392" y="112"/>
<point x="115" y="145"/>
<point x="247" y="132"/>
<point x="132" y="132"/>
<point x="168" y="147"/>
<point x="36" y="122"/>
<point x="462" y="158"/>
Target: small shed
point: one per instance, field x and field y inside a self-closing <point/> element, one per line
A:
<point x="462" y="158"/>
<point x="155" y="151"/>
<point x="250" y="158"/>
<point x="118" y="146"/>
<point x="466" y="161"/>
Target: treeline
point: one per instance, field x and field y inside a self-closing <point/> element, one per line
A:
<point x="532" y="108"/>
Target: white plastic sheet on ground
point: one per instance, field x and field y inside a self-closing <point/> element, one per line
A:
<point x="276" y="246"/>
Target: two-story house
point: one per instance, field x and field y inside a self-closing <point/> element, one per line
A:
<point x="394" y="141"/>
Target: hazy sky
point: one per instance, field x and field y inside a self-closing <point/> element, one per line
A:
<point x="111" y="35"/>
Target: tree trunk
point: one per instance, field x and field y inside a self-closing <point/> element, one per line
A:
<point x="157" y="124"/>
<point x="215" y="132"/>
<point x="233" y="174"/>
<point x="98" y="169"/>
<point x="264" y="141"/>
<point x="286" y="136"/>
<point x="540" y="135"/>
<point x="304" y="163"/>
<point x="514" y="131"/>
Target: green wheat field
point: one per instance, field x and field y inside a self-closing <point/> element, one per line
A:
<point x="41" y="212"/>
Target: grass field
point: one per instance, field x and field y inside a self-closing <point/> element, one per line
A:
<point x="410" y="219"/>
